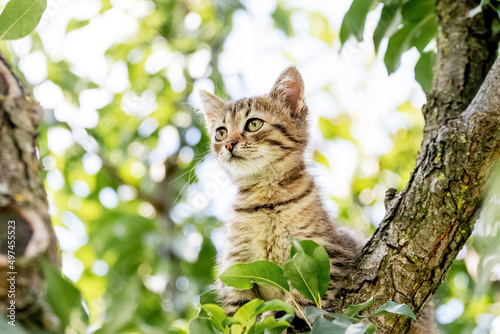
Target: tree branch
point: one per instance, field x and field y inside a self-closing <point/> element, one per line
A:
<point x="466" y="50"/>
<point x="427" y="224"/>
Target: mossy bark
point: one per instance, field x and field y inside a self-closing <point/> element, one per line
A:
<point x="23" y="201"/>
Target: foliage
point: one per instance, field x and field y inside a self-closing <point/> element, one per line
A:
<point x="308" y="271"/>
<point x="407" y="24"/>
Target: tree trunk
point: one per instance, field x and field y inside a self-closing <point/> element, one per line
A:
<point x="26" y="235"/>
<point x="427" y="224"/>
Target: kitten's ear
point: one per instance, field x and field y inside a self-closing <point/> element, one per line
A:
<point x="289" y="88"/>
<point x="213" y="106"/>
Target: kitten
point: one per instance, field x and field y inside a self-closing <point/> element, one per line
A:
<point x="260" y="143"/>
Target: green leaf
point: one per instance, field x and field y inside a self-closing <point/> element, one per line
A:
<point x="353" y="310"/>
<point x="216" y="315"/>
<point x="274" y="305"/>
<point x="394" y="308"/>
<point x="248" y="311"/>
<point x="398" y="43"/>
<point x="209" y="297"/>
<point x="246" y="316"/>
<point x="315" y="312"/>
<point x="63" y="296"/>
<point x="388" y="22"/>
<point x="417" y="10"/>
<point x="354" y="20"/>
<point x="320" y="255"/>
<point x="200" y="325"/>
<point x="424" y="70"/>
<point x="176" y="330"/>
<point x="425" y="34"/>
<point x="301" y="271"/>
<point x="264" y="273"/>
<point x="20" y="18"/>
<point x="272" y="326"/>
<point x="406" y="37"/>
<point x="322" y="326"/>
<point x="229" y="321"/>
<point x="342" y="323"/>
<point x="308" y="269"/>
<point x="371" y="328"/>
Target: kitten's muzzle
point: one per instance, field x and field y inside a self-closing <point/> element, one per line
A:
<point x="230" y="144"/>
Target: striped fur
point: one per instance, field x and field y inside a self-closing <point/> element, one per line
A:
<point x="277" y="197"/>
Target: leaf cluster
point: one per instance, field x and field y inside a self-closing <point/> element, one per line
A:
<point x="307" y="273"/>
<point x="407" y="24"/>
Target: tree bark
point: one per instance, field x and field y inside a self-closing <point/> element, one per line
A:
<point x="427" y="224"/>
<point x="24" y="216"/>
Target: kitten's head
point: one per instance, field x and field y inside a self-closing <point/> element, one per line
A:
<point x="260" y="136"/>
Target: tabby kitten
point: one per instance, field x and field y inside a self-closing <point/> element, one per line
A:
<point x="260" y="143"/>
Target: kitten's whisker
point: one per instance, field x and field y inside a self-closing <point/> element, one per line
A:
<point x="284" y="169"/>
<point x="190" y="178"/>
<point x="274" y="172"/>
<point x="203" y="153"/>
<point x="301" y="158"/>
<point x="190" y="181"/>
<point x="270" y="165"/>
<point x="186" y="186"/>
<point x="188" y="171"/>
<point x="290" y="158"/>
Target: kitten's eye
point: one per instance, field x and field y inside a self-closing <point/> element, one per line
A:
<point x="254" y="124"/>
<point x="220" y="134"/>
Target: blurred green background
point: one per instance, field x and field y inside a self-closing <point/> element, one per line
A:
<point x="136" y="207"/>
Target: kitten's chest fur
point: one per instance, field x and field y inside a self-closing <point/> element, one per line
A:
<point x="263" y="219"/>
<point x="262" y="235"/>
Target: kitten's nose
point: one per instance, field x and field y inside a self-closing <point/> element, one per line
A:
<point x="230" y="144"/>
